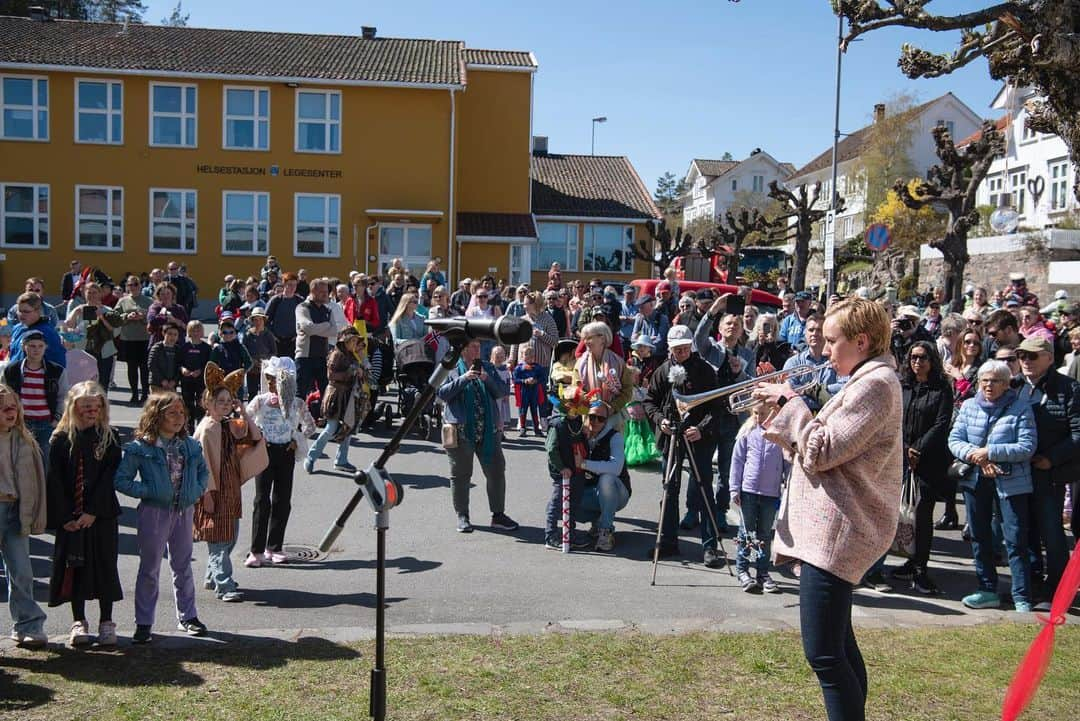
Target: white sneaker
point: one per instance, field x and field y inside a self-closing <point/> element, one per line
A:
<point x="253" y="561"/>
<point x="33" y="639"/>
<point x="80" y="634"/>
<point x="106" y="634"/>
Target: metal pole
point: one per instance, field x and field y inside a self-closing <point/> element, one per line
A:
<point x="831" y="280"/>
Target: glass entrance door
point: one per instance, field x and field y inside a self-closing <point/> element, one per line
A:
<point x="411" y="243"/>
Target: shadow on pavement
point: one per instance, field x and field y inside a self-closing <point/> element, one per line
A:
<point x="294" y="598"/>
<point x="404" y="564"/>
<point x="165" y="662"/>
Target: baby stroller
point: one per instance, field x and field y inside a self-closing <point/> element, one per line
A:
<point x="414" y="363"/>
<point x="381" y="357"/>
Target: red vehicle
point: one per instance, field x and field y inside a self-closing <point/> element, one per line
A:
<point x="763" y="261"/>
<point x="763" y="300"/>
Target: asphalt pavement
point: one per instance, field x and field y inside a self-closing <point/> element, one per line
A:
<point x="441" y="581"/>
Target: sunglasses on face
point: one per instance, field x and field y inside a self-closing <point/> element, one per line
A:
<point x="594" y="418"/>
<point x="1026" y="356"/>
<point x="918" y="358"/>
<point x="1007" y="358"/>
<point x="975" y="321"/>
<point x="228" y="332"/>
<point x="971" y="342"/>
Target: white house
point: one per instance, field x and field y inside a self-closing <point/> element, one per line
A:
<point x="713" y="186"/>
<point x="946" y="110"/>
<point x="1035" y="172"/>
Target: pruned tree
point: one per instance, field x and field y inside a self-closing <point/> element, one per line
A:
<point x="952" y="184"/>
<point x="1026" y="43"/>
<point x="732" y="232"/>
<point x="796" y="224"/>
<point x="908" y="227"/>
<point x="662" y="246"/>
<point x="177" y="18"/>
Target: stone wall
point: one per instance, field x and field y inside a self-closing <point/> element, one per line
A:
<point x="992" y="271"/>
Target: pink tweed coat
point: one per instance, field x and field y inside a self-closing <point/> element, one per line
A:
<point x="841" y="506"/>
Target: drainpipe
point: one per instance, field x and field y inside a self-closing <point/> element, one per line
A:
<point x="367" y="245"/>
<point x="451" y="229"/>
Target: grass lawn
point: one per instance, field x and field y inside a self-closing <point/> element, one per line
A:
<point x="929" y="673"/>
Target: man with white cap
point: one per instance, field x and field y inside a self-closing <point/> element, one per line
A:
<point x="1054" y="310"/>
<point x="686" y="372"/>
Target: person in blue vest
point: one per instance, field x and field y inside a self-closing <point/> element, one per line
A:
<point x="793" y="326"/>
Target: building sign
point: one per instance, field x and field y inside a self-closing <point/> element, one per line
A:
<point x="273" y="171"/>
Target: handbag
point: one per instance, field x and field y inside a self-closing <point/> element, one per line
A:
<point x="449" y="436"/>
<point x="959" y="470"/>
<point x="904" y="541"/>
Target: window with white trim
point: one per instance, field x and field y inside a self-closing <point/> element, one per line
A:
<point x="318" y="121"/>
<point x="995" y="185"/>
<point x="99" y="107"/>
<point x="173" y="115"/>
<point x="247" y="119"/>
<point x="558" y="244"/>
<point x="24" y="107"/>
<point x="609" y="248"/>
<point x="758" y="184"/>
<point x="99" y="218"/>
<point x="245" y="223"/>
<point x="317" y="228"/>
<point x="173" y="217"/>
<point x="24" y="215"/>
<point x="1059" y="185"/>
<point x="734" y="185"/>
<point x="1018" y="186"/>
<point x="948" y="125"/>
<point x="1027" y="135"/>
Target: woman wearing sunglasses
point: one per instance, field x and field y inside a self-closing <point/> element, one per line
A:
<point x="928" y="404"/>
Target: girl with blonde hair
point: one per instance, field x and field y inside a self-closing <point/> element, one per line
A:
<point x="83" y="510"/>
<point x="22" y="513"/>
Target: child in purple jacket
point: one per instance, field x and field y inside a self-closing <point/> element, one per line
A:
<point x="758" y="470"/>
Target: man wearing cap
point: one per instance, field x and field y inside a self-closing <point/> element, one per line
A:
<point x="459" y="299"/>
<point x="555" y="309"/>
<point x="906" y="330"/>
<point x="686" y="372"/>
<point x="793" y="326"/>
<point x="41" y="386"/>
<point x="651" y="323"/>
<point x="666" y="304"/>
<point x="607" y="480"/>
<point x="1018" y="287"/>
<point x="1055" y="309"/>
<point x="1055" y="401"/>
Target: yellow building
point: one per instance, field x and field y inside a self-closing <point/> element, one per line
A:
<point x="127" y="146"/>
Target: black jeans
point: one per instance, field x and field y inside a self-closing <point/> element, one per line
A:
<point x="924" y="525"/>
<point x="136" y="356"/>
<point x="273" y="499"/>
<point x="286" y="347"/>
<point x="829" y="643"/>
<point x="703" y="451"/>
<point x="310" y="372"/>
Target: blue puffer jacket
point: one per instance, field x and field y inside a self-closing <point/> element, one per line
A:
<point x="1011" y="443"/>
<point x="154" y="485"/>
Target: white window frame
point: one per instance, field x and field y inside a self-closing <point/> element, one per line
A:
<point x="328" y="224"/>
<point x="734" y="185"/>
<point x="1059" y="185"/>
<point x="757" y="184"/>
<point x="108" y="218"/>
<point x="182" y="220"/>
<point x="256" y="118"/>
<point x="586" y="248"/>
<point x="1027" y="135"/>
<point x="36" y="108"/>
<point x="112" y="114"/>
<point x="564" y="261"/>
<point x="34" y="214"/>
<point x="255" y="222"/>
<point x="411" y="260"/>
<point x="1018" y="190"/>
<point x="184" y="114"/>
<point x="327" y="122"/>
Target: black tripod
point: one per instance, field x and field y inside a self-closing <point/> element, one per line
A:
<point x="383" y="493"/>
<point x="674" y="466"/>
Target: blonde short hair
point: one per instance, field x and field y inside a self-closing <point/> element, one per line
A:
<point x="858" y="315"/>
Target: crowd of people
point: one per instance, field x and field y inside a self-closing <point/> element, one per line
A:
<point x="988" y="406"/>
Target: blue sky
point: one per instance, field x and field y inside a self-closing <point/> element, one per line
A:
<point x="676" y="80"/>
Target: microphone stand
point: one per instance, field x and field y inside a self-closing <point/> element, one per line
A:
<point x="375" y="481"/>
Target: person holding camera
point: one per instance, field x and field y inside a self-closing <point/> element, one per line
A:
<point x="906" y="329"/>
<point x="472" y="430"/>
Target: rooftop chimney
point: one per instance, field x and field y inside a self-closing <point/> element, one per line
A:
<point x="367" y="32"/>
<point x="540" y="145"/>
<point x="37" y="12"/>
<point x="755" y="151"/>
<point x="879" y="112"/>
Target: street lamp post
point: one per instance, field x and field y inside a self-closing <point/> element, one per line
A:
<point x="830" y="252"/>
<point x="601" y="119"/>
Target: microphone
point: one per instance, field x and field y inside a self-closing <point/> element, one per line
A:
<point x="506" y="329"/>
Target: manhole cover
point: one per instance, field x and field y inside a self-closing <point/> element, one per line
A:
<point x="302" y="554"/>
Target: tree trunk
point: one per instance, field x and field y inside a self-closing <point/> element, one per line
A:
<point x="802" y="259"/>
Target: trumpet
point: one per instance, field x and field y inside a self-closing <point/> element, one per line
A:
<point x="740" y="397"/>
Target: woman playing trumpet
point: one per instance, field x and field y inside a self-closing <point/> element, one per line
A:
<point x="839" y="513"/>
